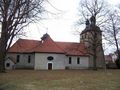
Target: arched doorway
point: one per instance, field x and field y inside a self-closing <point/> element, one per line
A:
<point x="49" y="66"/>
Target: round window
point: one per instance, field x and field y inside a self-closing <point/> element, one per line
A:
<point x="50" y="58"/>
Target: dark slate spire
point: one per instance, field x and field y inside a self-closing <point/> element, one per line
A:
<point x="87" y="23"/>
<point x="93" y="20"/>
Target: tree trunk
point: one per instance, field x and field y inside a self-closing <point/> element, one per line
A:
<point x="94" y="57"/>
<point x="2" y="55"/>
<point x="94" y="62"/>
<point x="3" y="45"/>
<point x="95" y="51"/>
<point x="118" y="52"/>
<point x="104" y="63"/>
<point x="2" y="62"/>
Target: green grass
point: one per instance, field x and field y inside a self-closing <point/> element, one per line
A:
<point x="60" y="80"/>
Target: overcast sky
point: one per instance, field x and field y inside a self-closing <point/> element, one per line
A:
<point x="60" y="26"/>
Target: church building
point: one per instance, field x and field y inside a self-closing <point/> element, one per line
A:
<point x="48" y="54"/>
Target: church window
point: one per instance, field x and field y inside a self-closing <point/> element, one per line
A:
<point x="78" y="60"/>
<point x="18" y="58"/>
<point x="70" y="60"/>
<point x="29" y="59"/>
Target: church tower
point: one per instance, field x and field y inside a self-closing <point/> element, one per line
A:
<point x="91" y="36"/>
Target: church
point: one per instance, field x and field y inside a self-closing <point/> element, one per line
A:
<point x="47" y="54"/>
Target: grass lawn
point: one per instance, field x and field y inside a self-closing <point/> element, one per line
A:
<point x="60" y="80"/>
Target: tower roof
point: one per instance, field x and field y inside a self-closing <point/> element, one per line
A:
<point x="89" y="29"/>
<point x="91" y="25"/>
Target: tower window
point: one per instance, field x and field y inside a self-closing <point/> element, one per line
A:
<point x="85" y="35"/>
<point x="81" y="37"/>
<point x="18" y="58"/>
<point x="70" y="60"/>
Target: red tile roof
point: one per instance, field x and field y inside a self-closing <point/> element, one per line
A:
<point x="48" y="46"/>
<point x="70" y="48"/>
<point x="24" y="46"/>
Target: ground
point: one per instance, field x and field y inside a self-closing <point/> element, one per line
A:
<point x="60" y="80"/>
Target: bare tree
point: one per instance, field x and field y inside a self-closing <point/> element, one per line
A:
<point x="14" y="16"/>
<point x="96" y="8"/>
<point x="112" y="31"/>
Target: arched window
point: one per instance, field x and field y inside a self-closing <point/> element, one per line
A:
<point x="29" y="59"/>
<point x="70" y="60"/>
<point x="18" y="58"/>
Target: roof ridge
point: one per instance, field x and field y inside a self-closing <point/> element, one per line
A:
<point x="28" y="39"/>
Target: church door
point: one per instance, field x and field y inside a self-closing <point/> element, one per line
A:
<point x="49" y="66"/>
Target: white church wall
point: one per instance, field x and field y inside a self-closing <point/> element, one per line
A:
<point x="83" y="62"/>
<point x="41" y="61"/>
<point x="23" y="60"/>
